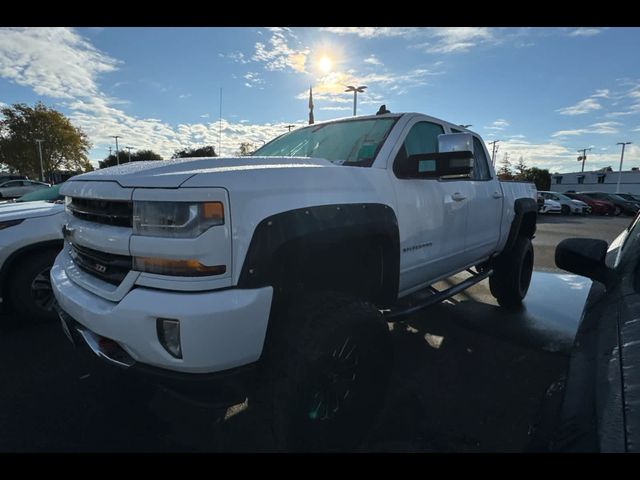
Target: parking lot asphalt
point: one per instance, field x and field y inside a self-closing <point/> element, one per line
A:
<point x="468" y="376"/>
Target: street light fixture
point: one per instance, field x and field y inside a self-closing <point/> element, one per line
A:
<point x="355" y="90"/>
<point x="621" y="159"/>
<point x="39" y="142"/>
<point x="129" y="148"/>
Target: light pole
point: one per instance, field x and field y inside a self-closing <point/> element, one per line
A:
<point x="117" y="155"/>
<point x="289" y="127"/>
<point x="494" y="150"/>
<point x="583" y="157"/>
<point x="129" y="148"/>
<point x="621" y="159"/>
<point x="355" y="90"/>
<point x="39" y="142"/>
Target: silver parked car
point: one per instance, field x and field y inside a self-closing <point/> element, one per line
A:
<point x="17" y="188"/>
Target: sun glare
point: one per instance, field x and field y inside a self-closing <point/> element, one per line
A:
<point x="325" y="64"/>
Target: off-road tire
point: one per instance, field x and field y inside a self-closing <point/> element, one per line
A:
<point x="324" y="350"/>
<point x="512" y="274"/>
<point x="22" y="296"/>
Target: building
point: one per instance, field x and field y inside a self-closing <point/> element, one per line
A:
<point x="603" y="180"/>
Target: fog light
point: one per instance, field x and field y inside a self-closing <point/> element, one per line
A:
<point x="169" y="335"/>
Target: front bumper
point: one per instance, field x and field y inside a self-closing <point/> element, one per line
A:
<point x="220" y="389"/>
<point x="219" y="330"/>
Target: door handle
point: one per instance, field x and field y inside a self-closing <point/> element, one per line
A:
<point x="497" y="195"/>
<point x="458" y="197"/>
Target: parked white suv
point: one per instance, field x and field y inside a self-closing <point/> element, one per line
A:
<point x="567" y="205"/>
<point x="282" y="269"/>
<point x="30" y="239"/>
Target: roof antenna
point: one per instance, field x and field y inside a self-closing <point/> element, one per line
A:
<point x="383" y="110"/>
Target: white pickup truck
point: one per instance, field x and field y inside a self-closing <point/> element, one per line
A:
<point x="274" y="275"/>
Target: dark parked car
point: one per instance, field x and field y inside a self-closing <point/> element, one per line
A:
<point x="598" y="207"/>
<point x="625" y="206"/>
<point x="630" y="197"/>
<point x="599" y="409"/>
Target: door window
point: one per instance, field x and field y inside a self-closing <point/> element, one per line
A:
<point x="422" y="138"/>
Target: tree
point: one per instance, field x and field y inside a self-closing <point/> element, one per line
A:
<point x="64" y="146"/>
<point x="206" y="151"/>
<point x="504" y="172"/>
<point x="540" y="177"/>
<point x="521" y="168"/>
<point x="138" y="156"/>
<point x="246" y="148"/>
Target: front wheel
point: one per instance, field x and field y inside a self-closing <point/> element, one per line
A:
<point x="512" y="274"/>
<point x="30" y="291"/>
<point x="617" y="211"/>
<point x="565" y="210"/>
<point x="326" y="367"/>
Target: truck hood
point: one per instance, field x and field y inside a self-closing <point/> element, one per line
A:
<point x="173" y="173"/>
<point x="18" y="210"/>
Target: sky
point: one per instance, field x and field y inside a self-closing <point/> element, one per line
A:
<point x="543" y="92"/>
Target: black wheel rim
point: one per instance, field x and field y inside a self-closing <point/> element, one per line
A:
<point x="41" y="290"/>
<point x="335" y="375"/>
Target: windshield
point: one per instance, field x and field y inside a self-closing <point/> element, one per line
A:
<point x="49" y="194"/>
<point x="351" y="142"/>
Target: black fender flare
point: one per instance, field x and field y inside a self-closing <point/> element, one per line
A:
<point x="322" y="225"/>
<point x="525" y="209"/>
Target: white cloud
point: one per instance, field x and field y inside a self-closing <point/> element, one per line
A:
<point x="603" y="93"/>
<point x="237" y="57"/>
<point x="599" y="128"/>
<point x="499" y="124"/>
<point x="331" y="87"/>
<point x="253" y="80"/>
<point x="337" y="108"/>
<point x="372" y="60"/>
<point x="556" y="157"/>
<point x="372" y="32"/>
<point x="584" y="106"/>
<point x="184" y="95"/>
<point x="456" y="39"/>
<point x="278" y="55"/>
<point x="204" y="115"/>
<point x="54" y="62"/>
<point x="585" y="32"/>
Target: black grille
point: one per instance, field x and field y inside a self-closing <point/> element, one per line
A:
<point x="106" y="266"/>
<point x="110" y="212"/>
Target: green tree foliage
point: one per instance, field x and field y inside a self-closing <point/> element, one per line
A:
<point x="64" y="146"/>
<point x="206" y="151"/>
<point x="138" y="156"/>
<point x="246" y="148"/>
<point x="540" y="177"/>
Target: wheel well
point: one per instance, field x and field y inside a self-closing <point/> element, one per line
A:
<point x="366" y="267"/>
<point x="12" y="262"/>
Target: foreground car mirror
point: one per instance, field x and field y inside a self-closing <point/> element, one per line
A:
<point x="586" y="257"/>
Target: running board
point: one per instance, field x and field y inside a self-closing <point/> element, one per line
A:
<point x="437" y="297"/>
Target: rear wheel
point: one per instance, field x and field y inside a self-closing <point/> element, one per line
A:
<point x="512" y="274"/>
<point x="565" y="210"/>
<point x="617" y="211"/>
<point x="325" y="369"/>
<point x="30" y="291"/>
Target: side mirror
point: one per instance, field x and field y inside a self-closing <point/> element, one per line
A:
<point x="586" y="257"/>
<point x="442" y="165"/>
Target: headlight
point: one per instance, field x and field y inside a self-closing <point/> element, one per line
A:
<point x="176" y="219"/>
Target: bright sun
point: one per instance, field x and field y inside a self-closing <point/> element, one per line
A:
<point x="325" y="64"/>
